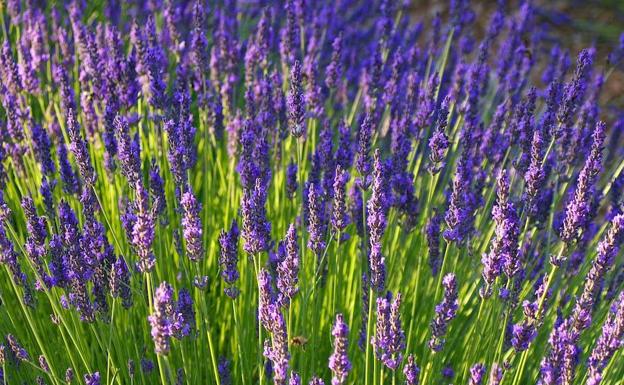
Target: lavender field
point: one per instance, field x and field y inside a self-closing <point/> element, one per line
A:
<point x="307" y="192"/>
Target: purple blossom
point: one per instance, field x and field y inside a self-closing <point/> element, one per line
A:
<point x="411" y="371"/>
<point x="578" y="209"/>
<point x="229" y="258"/>
<point x="288" y="268"/>
<point x="445" y="311"/>
<point x="143" y="230"/>
<point x="477" y="373"/>
<point x="608" y="343"/>
<point x="340" y="218"/>
<point x="339" y="361"/>
<point x="191" y="223"/>
<point x="92" y="378"/>
<point x="165" y="321"/>
<point x="316" y="221"/>
<point x="256" y="230"/>
<point x="295" y="104"/>
<point x="503" y="255"/>
<point x="389" y="339"/>
<point x="376" y="222"/>
<point x="276" y="349"/>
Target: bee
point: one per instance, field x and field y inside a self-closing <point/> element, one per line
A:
<point x="299" y="341"/>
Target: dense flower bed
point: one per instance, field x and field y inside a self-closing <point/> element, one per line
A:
<point x="294" y="191"/>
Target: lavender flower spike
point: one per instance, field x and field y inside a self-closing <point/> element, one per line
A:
<point x="191" y="222"/>
<point x="376" y="221"/>
<point x="444" y="313"/>
<point x="607" y="251"/>
<point x="288" y="268"/>
<point x="164" y="321"/>
<point x="229" y="258"/>
<point x="143" y="231"/>
<point x="477" y="374"/>
<point x="295" y="102"/>
<point x="411" y="371"/>
<point x="78" y="147"/>
<point x="608" y="343"/>
<point x="339" y="361"/>
<point x="92" y="379"/>
<point x="389" y="338"/>
<point x="504" y="250"/>
<point x="578" y="209"/>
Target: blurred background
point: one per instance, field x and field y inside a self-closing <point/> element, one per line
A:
<point x="575" y="24"/>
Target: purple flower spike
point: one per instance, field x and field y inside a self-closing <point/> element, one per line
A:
<point x="444" y="313"/>
<point x="295" y="104"/>
<point x="316" y="226"/>
<point x="143" y="230"/>
<point x="339" y="361"/>
<point x="503" y="255"/>
<point x="477" y="374"/>
<point x="191" y="222"/>
<point x="79" y="148"/>
<point x="376" y="221"/>
<point x="92" y="379"/>
<point x="411" y="371"/>
<point x="608" y="343"/>
<point x="607" y="250"/>
<point x="166" y="321"/>
<point x="389" y="339"/>
<point x="340" y="218"/>
<point x="256" y="229"/>
<point x="229" y="258"/>
<point x="276" y="350"/>
<point x="288" y="268"/>
<point x="578" y="209"/>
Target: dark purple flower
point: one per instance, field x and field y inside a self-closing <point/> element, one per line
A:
<point x="78" y="266"/>
<point x="363" y="161"/>
<point x="295" y="104"/>
<point x="120" y="282"/>
<point x="432" y="231"/>
<point x="37" y="234"/>
<point x="256" y="228"/>
<point x="184" y="308"/>
<point x="333" y="71"/>
<point x="291" y="180"/>
<point x="224" y="371"/>
<point x="92" y="379"/>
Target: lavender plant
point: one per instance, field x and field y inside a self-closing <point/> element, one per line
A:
<point x="229" y="192"/>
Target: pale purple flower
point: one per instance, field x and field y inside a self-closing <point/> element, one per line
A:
<point x="339" y="361"/>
